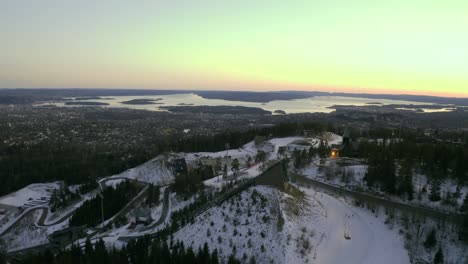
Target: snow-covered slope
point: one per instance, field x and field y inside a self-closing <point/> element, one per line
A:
<point x="244" y="223"/>
<point x="31" y="195"/>
<point x="313" y="230"/>
<point x="317" y="234"/>
<point x="156" y="171"/>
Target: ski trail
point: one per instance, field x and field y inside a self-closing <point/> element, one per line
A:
<point x="334" y="248"/>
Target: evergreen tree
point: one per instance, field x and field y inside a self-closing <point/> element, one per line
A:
<point x="261" y="156"/>
<point x="215" y="257"/>
<point x="434" y="195"/>
<point x="225" y="171"/>
<point x="406" y="179"/>
<point x="312" y="153"/>
<point x="430" y="239"/>
<point x="152" y="197"/>
<point x="235" y="166"/>
<point x="464" y="227"/>
<point x="100" y="253"/>
<point x="89" y="251"/>
<point x="249" y="161"/>
<point x="464" y="206"/>
<point x="3" y="258"/>
<point x="232" y="260"/>
<point x="439" y="257"/>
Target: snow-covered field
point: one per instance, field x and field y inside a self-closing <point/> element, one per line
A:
<point x="31" y="195"/>
<point x="155" y="171"/>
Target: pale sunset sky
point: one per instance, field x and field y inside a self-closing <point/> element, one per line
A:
<point x="412" y="47"/>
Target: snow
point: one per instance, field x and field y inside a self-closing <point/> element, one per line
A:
<point x="366" y="244"/>
<point x="217" y="181"/>
<point x="248" y="149"/>
<point x="31" y="195"/>
<point x="155" y="171"/>
<point x="57" y="227"/>
<point x="313" y="231"/>
<point x="356" y="180"/>
<point x="331" y="138"/>
<point x="323" y="223"/>
<point x="230" y="225"/>
<point x="114" y="183"/>
<point x="283" y="142"/>
<point x="246" y="173"/>
<point x="62" y="212"/>
<point x="25" y="234"/>
<point x="315" y="222"/>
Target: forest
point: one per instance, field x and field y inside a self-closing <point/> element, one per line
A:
<point x="89" y="213"/>
<point x="21" y="165"/>
<point x="191" y="181"/>
<point x="438" y="161"/>
<point x="137" y="251"/>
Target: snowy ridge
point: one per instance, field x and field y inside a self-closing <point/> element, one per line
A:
<point x="155" y="171"/>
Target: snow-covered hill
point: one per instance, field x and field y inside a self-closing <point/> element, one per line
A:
<point x="288" y="229"/>
<point x="156" y="171"/>
<point x="317" y="233"/>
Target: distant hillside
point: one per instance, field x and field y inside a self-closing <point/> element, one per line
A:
<point x="15" y="96"/>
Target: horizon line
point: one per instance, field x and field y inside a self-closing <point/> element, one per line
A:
<point x="240" y="90"/>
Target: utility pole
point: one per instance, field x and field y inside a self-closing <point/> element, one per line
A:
<point x="102" y="206"/>
<point x="227" y="146"/>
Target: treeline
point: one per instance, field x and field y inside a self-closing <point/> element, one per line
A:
<point x="89" y="213"/>
<point x="74" y="163"/>
<point x="191" y="181"/>
<point x="464" y="227"/>
<point x="21" y="165"/>
<point x="301" y="158"/>
<point x="391" y="167"/>
<point x="152" y="197"/>
<point x="135" y="252"/>
<point x="438" y="161"/>
<point x="62" y="198"/>
<point x="183" y="216"/>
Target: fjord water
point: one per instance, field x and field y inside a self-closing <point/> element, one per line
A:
<point x="312" y="104"/>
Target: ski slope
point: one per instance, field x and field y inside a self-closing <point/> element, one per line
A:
<point x="371" y="241"/>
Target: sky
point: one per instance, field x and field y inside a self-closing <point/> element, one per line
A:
<point x="399" y="47"/>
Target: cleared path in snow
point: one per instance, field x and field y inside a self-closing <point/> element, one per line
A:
<point x="371" y="241"/>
